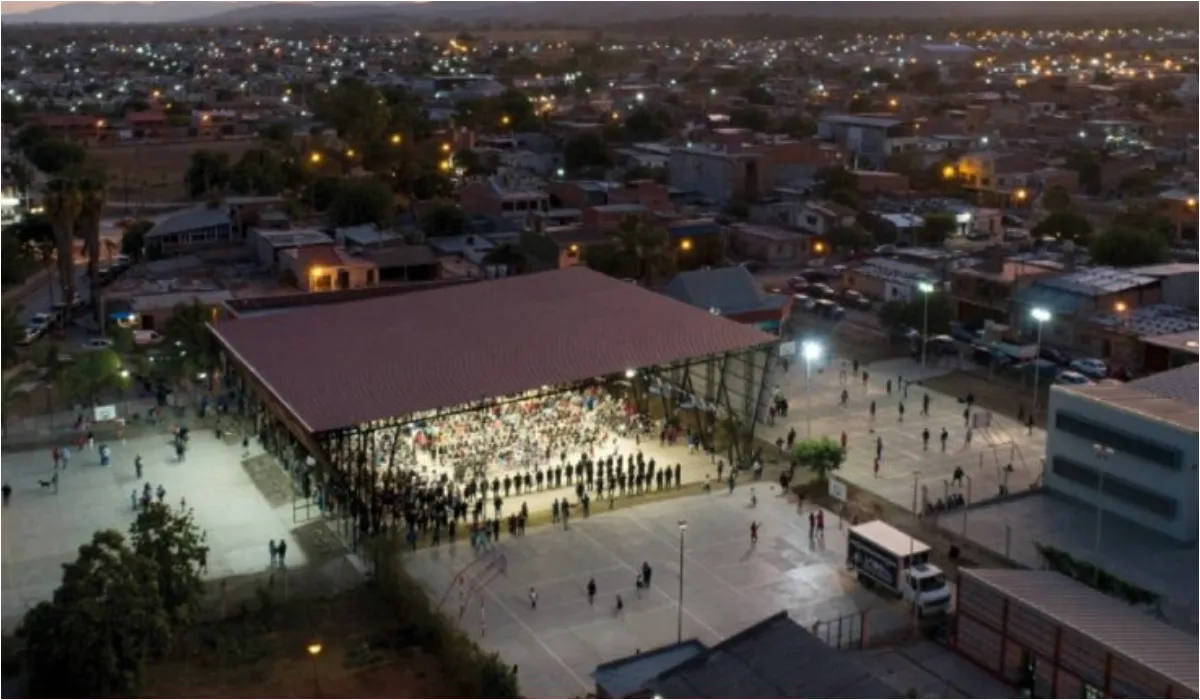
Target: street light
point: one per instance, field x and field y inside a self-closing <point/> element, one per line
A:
<point x="1103" y="454"/>
<point x="811" y="351"/>
<point x="315" y="158"/>
<point x="679" y="612"/>
<point x="314" y="650"/>
<point x="925" y="288"/>
<point x="396" y="139"/>
<point x="1041" y="316"/>
<point x="685" y="245"/>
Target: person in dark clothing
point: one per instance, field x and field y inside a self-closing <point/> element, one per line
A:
<point x="646" y="572"/>
<point x="591" y="591"/>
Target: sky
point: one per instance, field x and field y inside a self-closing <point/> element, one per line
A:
<point x="19" y="7"/>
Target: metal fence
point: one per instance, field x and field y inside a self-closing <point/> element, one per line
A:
<point x="845" y="632"/>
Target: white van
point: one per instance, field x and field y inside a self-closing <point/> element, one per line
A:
<point x="144" y="339"/>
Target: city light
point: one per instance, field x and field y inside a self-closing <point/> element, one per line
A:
<point x="925" y="287"/>
<point x="685" y="244"/>
<point x="810" y="350"/>
<point x="1040" y="315"/>
<point x="396" y="139"/>
<point x="315" y="158"/>
<point x="949" y="172"/>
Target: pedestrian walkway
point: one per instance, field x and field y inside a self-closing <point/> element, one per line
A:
<point x="908" y="472"/>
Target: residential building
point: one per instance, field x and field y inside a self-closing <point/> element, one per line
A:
<point x="885" y="279"/>
<point x="326" y="268"/>
<point x="404" y="263"/>
<point x="1072" y="299"/>
<point x="731" y="292"/>
<point x="718" y="175"/>
<point x="1130" y="450"/>
<point x="771" y="245"/>
<point x="503" y="195"/>
<point x="864" y="137"/>
<point x="818" y="218"/>
<point x="985" y="291"/>
<point x="189" y="231"/>
<point x="1179" y="208"/>
<point x="606" y="218"/>
<point x="269" y="244"/>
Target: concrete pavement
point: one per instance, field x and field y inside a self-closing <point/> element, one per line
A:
<point x="727" y="583"/>
<point x="906" y="467"/>
<point x="42" y="530"/>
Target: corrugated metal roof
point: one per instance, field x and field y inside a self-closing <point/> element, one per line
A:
<point x="730" y="290"/>
<point x="339" y="365"/>
<point x="1121" y="628"/>
<point x="190" y="220"/>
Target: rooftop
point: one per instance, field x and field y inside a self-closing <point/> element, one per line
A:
<point x="401" y="355"/>
<point x="1128" y="551"/>
<point x="1169" y="397"/>
<point x="730" y="290"/>
<point x="1098" y="281"/>
<point x="1187" y="341"/>
<point x="1152" y="320"/>
<point x="776" y="658"/>
<point x="1116" y="625"/>
<point x="190" y="220"/>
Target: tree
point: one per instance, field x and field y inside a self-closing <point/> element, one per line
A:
<point x="475" y="163"/>
<point x="1142" y="183"/>
<point x="649" y="247"/>
<point x="93" y="638"/>
<point x="1065" y="225"/>
<point x="937" y="228"/>
<point x="587" y="151"/>
<point x="912" y="313"/>
<point x="1122" y="246"/>
<point x="55" y="157"/>
<point x="835" y="179"/>
<point x="822" y="456"/>
<point x="258" y="172"/>
<point x="648" y="124"/>
<point x="758" y="95"/>
<point x="1057" y="199"/>
<point x="133" y="238"/>
<point x="90" y="375"/>
<point x="171" y="540"/>
<point x="92" y="198"/>
<point x="278" y="134"/>
<point x="752" y="118"/>
<point x="850" y="238"/>
<point x="444" y="220"/>
<point x="362" y="201"/>
<point x="207" y="173"/>
<point x="356" y="109"/>
<point x="63" y="204"/>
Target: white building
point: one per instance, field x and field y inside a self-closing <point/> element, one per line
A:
<point x="1130" y="450"/>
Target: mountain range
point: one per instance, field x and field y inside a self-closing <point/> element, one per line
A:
<point x="565" y="13"/>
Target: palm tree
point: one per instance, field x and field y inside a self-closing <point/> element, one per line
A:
<point x="648" y="246"/>
<point x="64" y="203"/>
<point x="92" y="196"/>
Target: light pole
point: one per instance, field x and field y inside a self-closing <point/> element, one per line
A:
<point x="811" y="350"/>
<point x="1041" y="316"/>
<point x="314" y="650"/>
<point x="679" y="612"/>
<point x="1103" y="454"/>
<point x="925" y="288"/>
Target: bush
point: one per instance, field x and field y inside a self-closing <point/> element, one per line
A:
<point x="476" y="673"/>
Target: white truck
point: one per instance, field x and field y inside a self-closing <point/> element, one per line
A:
<point x="886" y="558"/>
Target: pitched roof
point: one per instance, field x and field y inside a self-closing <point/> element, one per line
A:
<point x="340" y="365"/>
<point x="730" y="290"/>
<point x="190" y="220"/>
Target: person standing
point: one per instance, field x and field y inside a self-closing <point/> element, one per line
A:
<point x="879" y="447"/>
<point x="282" y="554"/>
<point x="137" y="466"/>
<point x="532" y="598"/>
<point x="6" y="492"/>
<point x="646" y="571"/>
<point x="925" y="405"/>
<point x="900" y="409"/>
<point x="821" y="523"/>
<point x="753" y="532"/>
<point x="925" y="439"/>
<point x="944" y="436"/>
<point x="274" y="552"/>
<point x="591" y="591"/>
<point x="812" y="524"/>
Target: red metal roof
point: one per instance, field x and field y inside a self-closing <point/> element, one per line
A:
<point x="339" y="365"/>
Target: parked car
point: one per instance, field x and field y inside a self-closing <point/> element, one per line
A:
<point x="821" y="291"/>
<point x="1044" y="369"/>
<point x="29" y="334"/>
<point x="97" y="344"/>
<point x="798" y="284"/>
<point x="1072" y="378"/>
<point x="803" y="302"/>
<point x="963" y="334"/>
<point x="42" y="320"/>
<point x="941" y="345"/>
<point x="1090" y="367"/>
<point x="904" y="334"/>
<point x="144" y="339"/>
<point x="829" y="309"/>
<point x="1052" y="355"/>
<point x="855" y="299"/>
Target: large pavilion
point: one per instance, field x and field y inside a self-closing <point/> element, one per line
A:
<point x="318" y="381"/>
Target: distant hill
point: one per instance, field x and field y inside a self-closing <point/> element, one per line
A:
<point x="583" y="14"/>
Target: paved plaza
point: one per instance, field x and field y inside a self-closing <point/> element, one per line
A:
<point x="43" y="530"/>
<point x="906" y="467"/>
<point x="728" y="584"/>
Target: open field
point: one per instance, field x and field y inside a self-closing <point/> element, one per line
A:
<point x="154" y="172"/>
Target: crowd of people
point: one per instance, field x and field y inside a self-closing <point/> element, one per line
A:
<point x="438" y="478"/>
